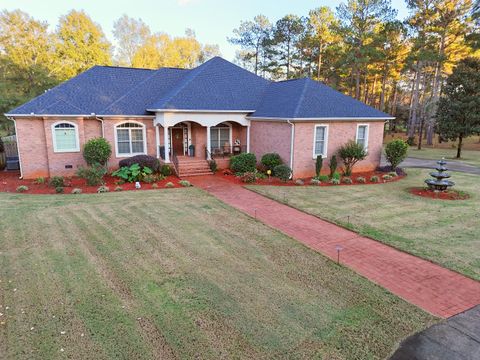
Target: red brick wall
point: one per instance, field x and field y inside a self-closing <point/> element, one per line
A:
<point x="270" y="136"/>
<point x="339" y="132"/>
<point x="36" y="144"/>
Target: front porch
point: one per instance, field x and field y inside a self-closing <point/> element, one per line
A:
<point x="191" y="141"/>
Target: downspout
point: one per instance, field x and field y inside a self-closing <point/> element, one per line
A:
<point x="292" y="141"/>
<point x="101" y="120"/>
<point x="18" y="145"/>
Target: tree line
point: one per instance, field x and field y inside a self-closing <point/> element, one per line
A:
<point x="363" y="50"/>
<point x="34" y="59"/>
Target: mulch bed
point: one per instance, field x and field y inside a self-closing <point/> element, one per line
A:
<point x="9" y="181"/>
<point x="277" y="182"/>
<point x="440" y="195"/>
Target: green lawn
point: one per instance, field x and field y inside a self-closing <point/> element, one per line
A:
<point x="446" y="232"/>
<point x="471" y="157"/>
<point x="178" y="274"/>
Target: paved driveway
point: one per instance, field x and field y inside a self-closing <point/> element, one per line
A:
<point x="430" y="164"/>
<point x="455" y="338"/>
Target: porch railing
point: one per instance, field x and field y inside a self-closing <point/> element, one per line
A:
<point x="226" y="151"/>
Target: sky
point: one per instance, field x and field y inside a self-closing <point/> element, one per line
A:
<point x="212" y="20"/>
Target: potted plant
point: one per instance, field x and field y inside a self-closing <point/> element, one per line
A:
<point x="191" y="150"/>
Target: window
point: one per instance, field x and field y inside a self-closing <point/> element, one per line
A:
<point x="65" y="137"/>
<point x="320" y="141"/>
<point x="219" y="136"/>
<point x="130" y="139"/>
<point x="362" y="135"/>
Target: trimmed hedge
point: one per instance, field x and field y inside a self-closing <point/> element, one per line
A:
<point x="283" y="172"/>
<point x="142" y="160"/>
<point x="97" y="151"/>
<point x="243" y="163"/>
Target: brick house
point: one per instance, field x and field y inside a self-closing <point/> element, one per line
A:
<point x="186" y="117"/>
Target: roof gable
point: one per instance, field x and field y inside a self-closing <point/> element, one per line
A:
<point x="215" y="85"/>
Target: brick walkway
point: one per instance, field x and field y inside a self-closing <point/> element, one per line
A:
<point x="431" y="287"/>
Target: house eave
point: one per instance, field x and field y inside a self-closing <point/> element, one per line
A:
<point x="200" y="111"/>
<point x="262" y="118"/>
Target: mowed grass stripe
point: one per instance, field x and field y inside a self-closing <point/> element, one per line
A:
<point x="210" y="281"/>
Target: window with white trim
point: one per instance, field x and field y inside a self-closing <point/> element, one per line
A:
<point x="130" y="138"/>
<point x="362" y="135"/>
<point x="65" y="137"/>
<point x="219" y="136"/>
<point x="320" y="141"/>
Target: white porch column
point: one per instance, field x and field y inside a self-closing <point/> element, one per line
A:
<point x="157" y="140"/>
<point x="248" y="138"/>
<point x="209" y="150"/>
<point x="166" y="144"/>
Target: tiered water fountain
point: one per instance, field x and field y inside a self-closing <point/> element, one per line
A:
<point x="440" y="182"/>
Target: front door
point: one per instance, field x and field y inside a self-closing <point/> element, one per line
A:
<point x="177" y="141"/>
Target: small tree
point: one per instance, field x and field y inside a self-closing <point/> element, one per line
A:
<point x="333" y="165"/>
<point x="318" y="165"/>
<point x="458" y="114"/>
<point x="396" y="152"/>
<point x="97" y="151"/>
<point x="351" y="153"/>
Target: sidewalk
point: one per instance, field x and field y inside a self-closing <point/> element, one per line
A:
<point x="431" y="287"/>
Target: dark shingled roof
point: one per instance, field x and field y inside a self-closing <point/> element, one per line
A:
<point x="306" y="98"/>
<point x="214" y="85"/>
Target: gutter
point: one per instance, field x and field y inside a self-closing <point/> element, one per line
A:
<point x="18" y="145"/>
<point x="292" y="142"/>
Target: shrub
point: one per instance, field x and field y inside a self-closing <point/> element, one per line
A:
<point x="374" y="179"/>
<point x="165" y="170"/>
<point x="336" y="175"/>
<point x="39" y="180"/>
<point x="334" y="181"/>
<point x="118" y="188"/>
<point x="185" y="183"/>
<point x="361" y="180"/>
<point x="59" y="189"/>
<point x="283" y="172"/>
<point x="347" y="180"/>
<point x="2" y="145"/>
<point x="393" y="174"/>
<point x="315" y="182"/>
<point x="396" y="152"/>
<point x="22" y="188"/>
<point x="213" y="165"/>
<point x="132" y="173"/>
<point x="149" y="178"/>
<point x="411" y="141"/>
<point x="76" y="191"/>
<point x="169" y="185"/>
<point x="103" y="189"/>
<point x="351" y="153"/>
<point x="271" y="160"/>
<point x="386" y="177"/>
<point x="243" y="163"/>
<point x="299" y="182"/>
<point x="97" y="151"/>
<point x="323" y="178"/>
<point x="333" y="165"/>
<point x="318" y="165"/>
<point x="248" y="177"/>
<point x="143" y="160"/>
<point x="154" y="186"/>
<point x="57" y="181"/>
<point x="93" y="175"/>
<point x="120" y="182"/>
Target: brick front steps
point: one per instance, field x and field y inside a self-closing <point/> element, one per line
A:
<point x="188" y="166"/>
